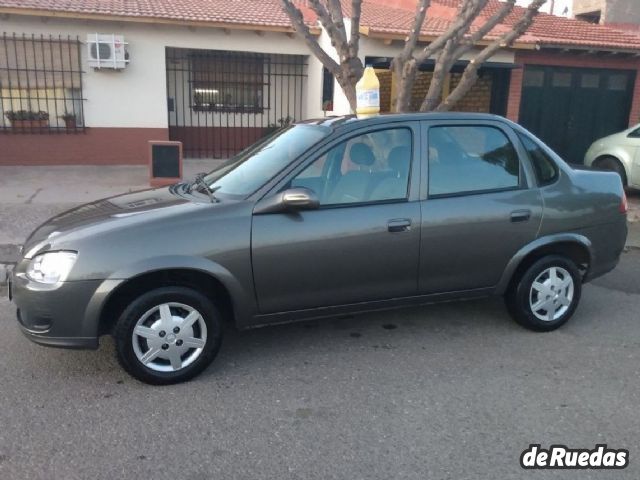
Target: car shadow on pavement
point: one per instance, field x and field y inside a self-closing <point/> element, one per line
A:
<point x="348" y="336"/>
<point x="397" y="332"/>
<point x="474" y="329"/>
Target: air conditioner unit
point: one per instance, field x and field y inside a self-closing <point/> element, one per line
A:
<point x="107" y="51"/>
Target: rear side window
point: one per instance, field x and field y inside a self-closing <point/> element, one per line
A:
<point x="635" y="133"/>
<point x="466" y="159"/>
<point x="545" y="168"/>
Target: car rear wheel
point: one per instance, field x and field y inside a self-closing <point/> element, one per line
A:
<point x="546" y="294"/>
<point x="168" y="335"/>
<point x="612" y="164"/>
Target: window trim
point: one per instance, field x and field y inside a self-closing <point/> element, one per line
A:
<point x="523" y="183"/>
<point x="634" y="133"/>
<point x="557" y="169"/>
<point x="332" y="143"/>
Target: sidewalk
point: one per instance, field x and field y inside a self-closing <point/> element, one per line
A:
<point x="31" y="195"/>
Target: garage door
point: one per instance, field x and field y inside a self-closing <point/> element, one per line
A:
<point x="569" y="108"/>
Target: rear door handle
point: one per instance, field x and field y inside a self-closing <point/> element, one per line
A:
<point x="399" y="225"/>
<point x="520" y="216"/>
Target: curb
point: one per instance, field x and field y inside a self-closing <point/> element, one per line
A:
<point x="9" y="255"/>
<point x="4" y="272"/>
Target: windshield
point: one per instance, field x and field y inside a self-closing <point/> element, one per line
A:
<point x="254" y="166"/>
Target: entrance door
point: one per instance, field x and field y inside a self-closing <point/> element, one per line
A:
<point x="570" y="108"/>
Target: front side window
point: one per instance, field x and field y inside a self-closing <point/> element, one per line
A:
<point x="256" y="165"/>
<point x="545" y="168"/>
<point x="372" y="167"/>
<point x="471" y="159"/>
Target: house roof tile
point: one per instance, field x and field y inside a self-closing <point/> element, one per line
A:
<point x="546" y="29"/>
<point x="246" y="12"/>
<point x="380" y="16"/>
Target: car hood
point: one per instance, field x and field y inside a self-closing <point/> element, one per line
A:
<point x="108" y="213"/>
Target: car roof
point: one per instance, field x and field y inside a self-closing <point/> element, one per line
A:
<point x="336" y="122"/>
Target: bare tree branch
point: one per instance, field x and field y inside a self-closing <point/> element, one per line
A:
<point x="354" y="38"/>
<point x="334" y="29"/>
<point x="414" y="34"/>
<point x="404" y="65"/>
<point x="456" y="41"/>
<point x="470" y="74"/>
<point x="348" y="70"/>
<point x="443" y="65"/>
<point x="469" y="10"/>
<point x="468" y="44"/>
<point x="302" y="29"/>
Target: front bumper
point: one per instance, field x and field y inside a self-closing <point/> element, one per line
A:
<point x="55" y="317"/>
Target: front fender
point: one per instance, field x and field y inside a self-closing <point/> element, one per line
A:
<point x="243" y="301"/>
<point x="538" y="243"/>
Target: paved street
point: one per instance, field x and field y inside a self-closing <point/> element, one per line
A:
<point x="450" y="391"/>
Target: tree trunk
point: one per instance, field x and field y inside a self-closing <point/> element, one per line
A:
<point x="405" y="73"/>
<point x="349" y="90"/>
<point x="440" y="71"/>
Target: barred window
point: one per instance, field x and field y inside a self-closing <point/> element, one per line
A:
<point x="40" y="84"/>
<point x="227" y="82"/>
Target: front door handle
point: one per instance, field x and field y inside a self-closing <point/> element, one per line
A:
<point x="399" y="225"/>
<point x="520" y="216"/>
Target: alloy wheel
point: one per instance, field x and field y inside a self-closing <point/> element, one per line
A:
<point x="551" y="294"/>
<point x="169" y="337"/>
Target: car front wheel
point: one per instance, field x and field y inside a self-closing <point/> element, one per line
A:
<point x="168" y="335"/>
<point x="546" y="294"/>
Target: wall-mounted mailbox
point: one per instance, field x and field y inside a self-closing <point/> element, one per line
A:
<point x="165" y="163"/>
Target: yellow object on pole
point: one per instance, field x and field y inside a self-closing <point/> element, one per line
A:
<point x="368" y="94"/>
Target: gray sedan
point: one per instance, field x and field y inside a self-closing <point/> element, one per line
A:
<point x="323" y="218"/>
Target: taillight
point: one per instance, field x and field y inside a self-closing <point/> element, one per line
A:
<point x="624" y="205"/>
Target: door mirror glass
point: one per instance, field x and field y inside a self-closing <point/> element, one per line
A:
<point x="300" y="199"/>
<point x="290" y="200"/>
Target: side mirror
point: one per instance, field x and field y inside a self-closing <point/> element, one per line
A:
<point x="289" y="200"/>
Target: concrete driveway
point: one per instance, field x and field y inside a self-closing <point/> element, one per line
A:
<point x="442" y="392"/>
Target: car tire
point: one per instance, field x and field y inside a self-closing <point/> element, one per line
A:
<point x="612" y="164"/>
<point x="546" y="294"/>
<point x="168" y="335"/>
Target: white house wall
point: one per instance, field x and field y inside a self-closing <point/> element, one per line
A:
<point x="136" y="97"/>
<point x="125" y="109"/>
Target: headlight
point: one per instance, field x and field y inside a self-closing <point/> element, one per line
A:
<point x="51" y="267"/>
